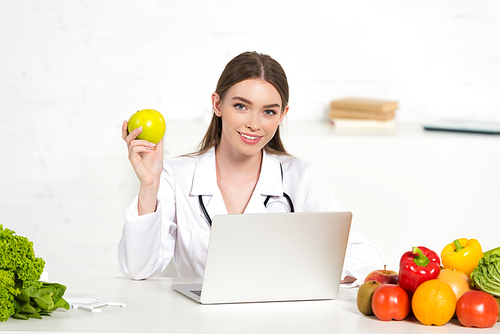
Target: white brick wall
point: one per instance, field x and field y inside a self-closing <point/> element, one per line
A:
<point x="71" y="71"/>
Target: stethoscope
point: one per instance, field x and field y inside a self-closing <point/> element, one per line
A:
<point x="289" y="200"/>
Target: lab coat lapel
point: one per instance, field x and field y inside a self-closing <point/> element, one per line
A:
<point x="205" y="184"/>
<point x="269" y="183"/>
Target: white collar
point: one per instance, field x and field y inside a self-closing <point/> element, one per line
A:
<point x="205" y="176"/>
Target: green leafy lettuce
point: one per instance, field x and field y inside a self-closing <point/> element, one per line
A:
<point x="486" y="276"/>
<point x="22" y="295"/>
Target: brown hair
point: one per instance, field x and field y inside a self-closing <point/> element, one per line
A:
<point x="248" y="65"/>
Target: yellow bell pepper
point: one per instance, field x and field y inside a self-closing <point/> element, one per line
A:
<point x="462" y="254"/>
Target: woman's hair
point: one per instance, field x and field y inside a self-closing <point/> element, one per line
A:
<point x="248" y="65"/>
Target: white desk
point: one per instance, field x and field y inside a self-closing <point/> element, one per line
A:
<point x="153" y="307"/>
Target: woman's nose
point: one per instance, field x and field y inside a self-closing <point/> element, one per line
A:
<point x="252" y="123"/>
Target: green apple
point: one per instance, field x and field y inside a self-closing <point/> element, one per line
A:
<point x="152" y="122"/>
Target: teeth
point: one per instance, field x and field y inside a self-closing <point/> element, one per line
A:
<point x="248" y="137"/>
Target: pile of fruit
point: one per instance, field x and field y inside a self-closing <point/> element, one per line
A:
<point x="463" y="282"/>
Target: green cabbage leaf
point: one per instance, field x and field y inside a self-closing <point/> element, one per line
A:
<point x="486" y="276"/>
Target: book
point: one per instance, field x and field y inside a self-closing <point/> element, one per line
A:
<point x="351" y="103"/>
<point x="362" y="124"/>
<point x="361" y="114"/>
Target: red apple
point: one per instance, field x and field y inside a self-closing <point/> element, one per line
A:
<point x="383" y="276"/>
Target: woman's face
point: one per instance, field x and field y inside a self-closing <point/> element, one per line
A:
<point x="251" y="112"/>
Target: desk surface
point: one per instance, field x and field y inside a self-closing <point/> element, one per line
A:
<point x="153" y="307"/>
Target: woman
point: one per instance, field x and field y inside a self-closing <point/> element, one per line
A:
<point x="241" y="164"/>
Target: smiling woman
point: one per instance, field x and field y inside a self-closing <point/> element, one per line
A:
<point x="241" y="167"/>
<point x="249" y="65"/>
<point x="251" y="111"/>
<point x="248" y="124"/>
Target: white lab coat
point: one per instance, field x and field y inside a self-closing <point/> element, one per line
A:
<point x="179" y="230"/>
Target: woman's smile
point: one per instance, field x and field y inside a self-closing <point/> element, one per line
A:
<point x="249" y="138"/>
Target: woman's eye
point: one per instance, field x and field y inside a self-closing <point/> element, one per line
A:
<point x="270" y="112"/>
<point x="239" y="106"/>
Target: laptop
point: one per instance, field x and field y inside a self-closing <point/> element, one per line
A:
<point x="457" y="125"/>
<point x="273" y="257"/>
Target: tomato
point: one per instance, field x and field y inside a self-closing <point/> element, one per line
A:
<point x="477" y="309"/>
<point x="390" y="301"/>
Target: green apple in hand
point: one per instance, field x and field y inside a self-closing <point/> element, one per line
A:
<point x="152" y="122"/>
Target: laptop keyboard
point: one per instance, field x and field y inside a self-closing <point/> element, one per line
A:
<point x="196" y="292"/>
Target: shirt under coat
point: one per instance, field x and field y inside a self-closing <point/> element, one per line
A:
<point x="179" y="230"/>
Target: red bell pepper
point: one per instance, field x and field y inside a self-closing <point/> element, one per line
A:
<point x="417" y="266"/>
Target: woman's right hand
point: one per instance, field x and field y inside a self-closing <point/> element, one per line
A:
<point x="147" y="160"/>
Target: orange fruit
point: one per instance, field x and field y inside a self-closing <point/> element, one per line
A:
<point x="434" y="302"/>
<point x="456" y="279"/>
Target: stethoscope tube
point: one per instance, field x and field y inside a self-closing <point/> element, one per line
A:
<point x="289" y="200"/>
<point x="204" y="210"/>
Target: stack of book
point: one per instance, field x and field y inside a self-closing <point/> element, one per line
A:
<point x="364" y="112"/>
